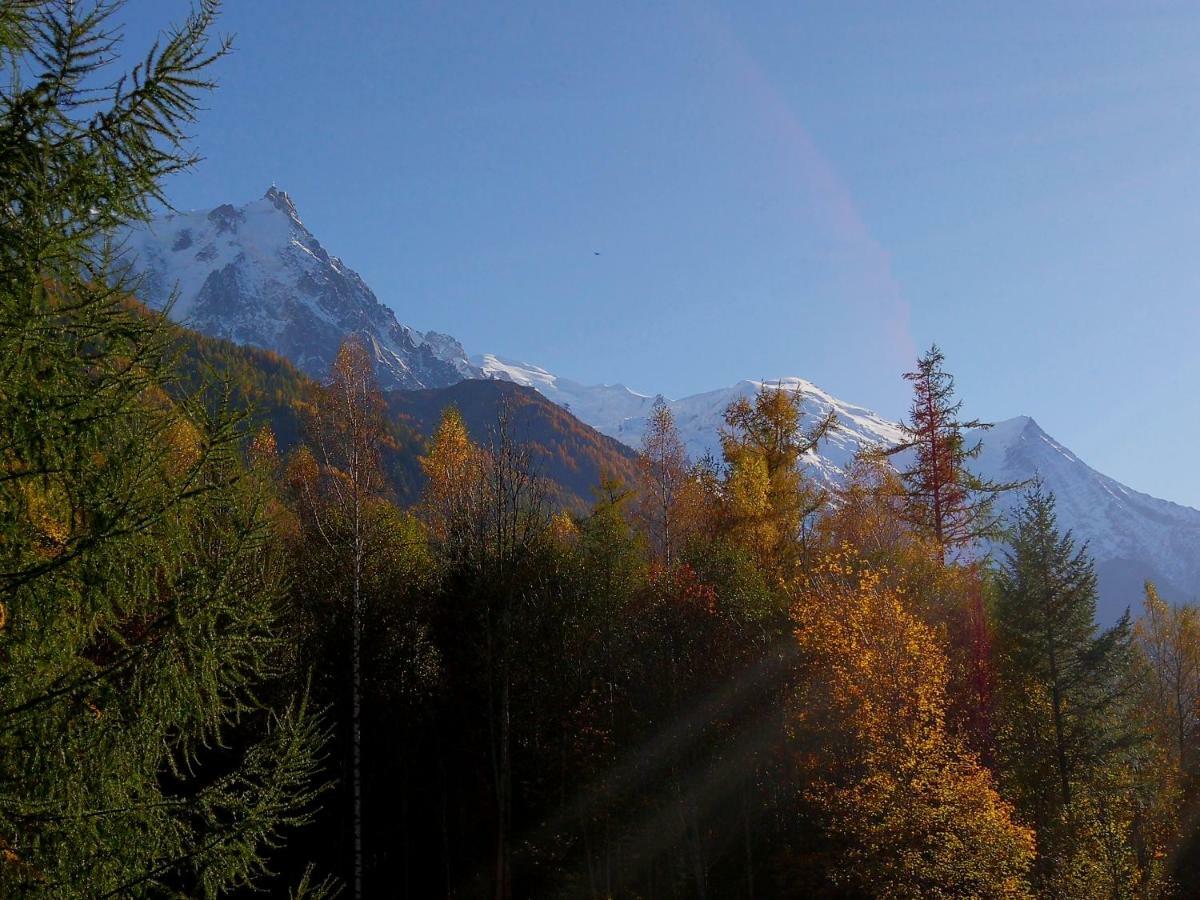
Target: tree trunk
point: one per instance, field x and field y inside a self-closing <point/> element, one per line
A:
<point x="504" y="797"/>
<point x="1059" y="740"/>
<point x="749" y="843"/>
<point x="356" y="722"/>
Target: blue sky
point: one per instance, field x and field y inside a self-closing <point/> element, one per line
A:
<point x="811" y="189"/>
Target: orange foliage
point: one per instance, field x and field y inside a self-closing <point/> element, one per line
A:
<point x="919" y="814"/>
<point x="453" y="469"/>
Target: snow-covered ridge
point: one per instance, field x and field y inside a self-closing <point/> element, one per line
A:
<point x="1132" y="536"/>
<point x="615" y="410"/>
<point x="256" y="275"/>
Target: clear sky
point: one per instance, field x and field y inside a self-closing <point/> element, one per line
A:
<point x="773" y="188"/>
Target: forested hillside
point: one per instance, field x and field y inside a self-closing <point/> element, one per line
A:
<point x="571" y="457"/>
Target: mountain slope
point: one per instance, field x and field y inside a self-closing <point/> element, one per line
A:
<point x="1133" y="536"/>
<point x="568" y="454"/>
<point x="620" y="413"/>
<point x="256" y="275"/>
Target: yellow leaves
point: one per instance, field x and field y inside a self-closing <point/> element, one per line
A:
<point x="453" y="467"/>
<point x="49" y="514"/>
<point x="184" y="441"/>
<point x="7" y="856"/>
<point x="748" y="497"/>
<point x="302" y="469"/>
<point x="1168" y="637"/>
<point x="563" y="528"/>
<point x="264" y="451"/>
<point x="451" y="450"/>
<point x="921" y="816"/>
<point x="353" y="366"/>
<point x="767" y="496"/>
<point x="749" y="487"/>
<point x="877" y="667"/>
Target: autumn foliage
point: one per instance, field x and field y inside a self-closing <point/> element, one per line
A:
<point x="919" y="815"/>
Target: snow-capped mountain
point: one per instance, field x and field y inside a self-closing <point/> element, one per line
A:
<point x="1132" y="536"/>
<point x="256" y="275"/>
<point x="615" y="410"/>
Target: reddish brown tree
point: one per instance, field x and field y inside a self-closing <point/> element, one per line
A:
<point x="946" y="500"/>
<point x="978" y="721"/>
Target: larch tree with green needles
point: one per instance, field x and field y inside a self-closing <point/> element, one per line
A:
<point x="138" y="753"/>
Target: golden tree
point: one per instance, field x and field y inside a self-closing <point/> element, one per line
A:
<point x="769" y="497"/>
<point x="452" y="501"/>
<point x="1168" y="637"/>
<point x="918" y="814"/>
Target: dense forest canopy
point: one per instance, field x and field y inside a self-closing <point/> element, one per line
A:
<point x="260" y="632"/>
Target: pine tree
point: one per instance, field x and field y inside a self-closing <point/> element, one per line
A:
<point x="140" y="598"/>
<point x="946" y="501"/>
<point x="1067" y="691"/>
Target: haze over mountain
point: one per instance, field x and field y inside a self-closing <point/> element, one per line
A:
<point x="254" y="274"/>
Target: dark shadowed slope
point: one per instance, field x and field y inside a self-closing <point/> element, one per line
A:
<point x="572" y="455"/>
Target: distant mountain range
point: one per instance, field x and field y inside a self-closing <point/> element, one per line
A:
<point x="255" y="275"/>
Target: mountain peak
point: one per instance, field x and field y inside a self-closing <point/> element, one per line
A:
<point x="1006" y="431"/>
<point x="249" y="274"/>
<point x="282" y="202"/>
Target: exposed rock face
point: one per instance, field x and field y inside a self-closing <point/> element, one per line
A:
<point x="256" y="275"/>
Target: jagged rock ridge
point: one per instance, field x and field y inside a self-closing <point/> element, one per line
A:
<point x="256" y="275"/>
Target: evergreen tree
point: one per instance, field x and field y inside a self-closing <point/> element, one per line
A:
<point x="946" y="501"/>
<point x="140" y="597"/>
<point x="1067" y="690"/>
